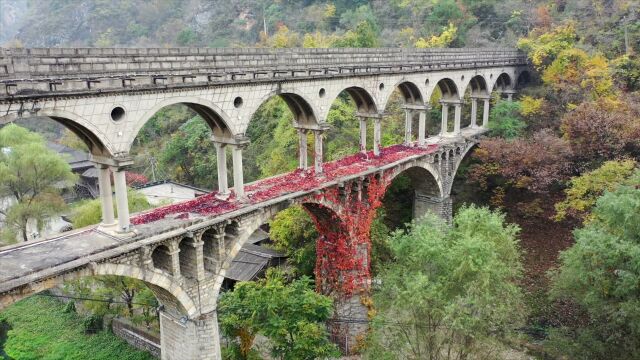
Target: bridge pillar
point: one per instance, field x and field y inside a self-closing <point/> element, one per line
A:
<point x="221" y="151"/>
<point x="122" y="201"/>
<point x="458" y="117"/>
<point x="408" y="124"/>
<point x="189" y="339"/>
<point x="474" y="112"/>
<point x="441" y="206"/>
<point x="376" y="135"/>
<point x="106" y="195"/>
<point x="485" y="113"/>
<point x="363" y="134"/>
<point x="422" y="123"/>
<point x="238" y="172"/>
<point x="444" y="125"/>
<point x="302" y="151"/>
<point x="509" y="94"/>
<point x="318" y="148"/>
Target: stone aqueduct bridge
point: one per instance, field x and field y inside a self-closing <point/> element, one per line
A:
<point x="181" y="252"/>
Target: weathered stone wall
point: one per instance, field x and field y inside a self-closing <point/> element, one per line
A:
<point x="135" y="337"/>
<point x="196" y="339"/>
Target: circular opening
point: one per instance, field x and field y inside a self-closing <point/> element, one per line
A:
<point x="491" y="76"/>
<point x="322" y="92"/>
<point x="237" y="102"/>
<point x="117" y="113"/>
<point x="462" y="77"/>
<point x="381" y="86"/>
<point x="426" y="82"/>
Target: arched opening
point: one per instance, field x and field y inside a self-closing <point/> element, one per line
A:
<point x="283" y="132"/>
<point x="444" y="100"/>
<point x="188" y="257"/>
<point x="405" y="115"/>
<point x="474" y="99"/>
<point x="464" y="191"/>
<point x="524" y="79"/>
<point x="162" y="259"/>
<point x="410" y="195"/>
<point x="177" y="144"/>
<point x="503" y="84"/>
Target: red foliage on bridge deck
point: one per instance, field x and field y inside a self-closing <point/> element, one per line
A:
<point x="295" y="181"/>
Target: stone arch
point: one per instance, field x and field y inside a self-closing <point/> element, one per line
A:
<point x="169" y="292"/>
<point x="95" y="140"/>
<point x="304" y="112"/>
<point x="411" y="93"/>
<point x="478" y="86"/>
<point x="448" y="89"/>
<point x="365" y="102"/>
<point x="522" y="79"/>
<point x="213" y="115"/>
<point x="503" y="82"/>
<point x="162" y="260"/>
<point x="423" y="178"/>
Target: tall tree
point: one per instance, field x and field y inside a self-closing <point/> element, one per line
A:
<point x="449" y="289"/>
<point x="601" y="273"/>
<point x="31" y="177"/>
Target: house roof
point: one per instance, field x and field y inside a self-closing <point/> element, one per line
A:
<point x="258" y="236"/>
<point x="251" y="260"/>
<point x="77" y="159"/>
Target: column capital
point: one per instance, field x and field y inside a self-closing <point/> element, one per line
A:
<point x="311" y="127"/>
<point x="369" y="115"/>
<point x="509" y="91"/>
<point x="236" y="140"/>
<point x="451" y="102"/>
<point x="416" y="106"/>
<point x="481" y="97"/>
<point x="121" y="161"/>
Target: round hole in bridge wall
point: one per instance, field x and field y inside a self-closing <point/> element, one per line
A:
<point x="381" y="86"/>
<point x="117" y="113"/>
<point x="426" y="82"/>
<point x="491" y="76"/>
<point x="462" y="78"/>
<point x="322" y="92"/>
<point x="237" y="102"/>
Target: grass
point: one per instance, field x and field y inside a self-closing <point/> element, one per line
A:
<point x="41" y="330"/>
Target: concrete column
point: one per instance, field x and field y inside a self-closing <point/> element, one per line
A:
<point x="444" y="125"/>
<point x="408" y="120"/>
<point x="238" y="175"/>
<point x="376" y="136"/>
<point x="474" y="112"/>
<point x="189" y="339"/>
<point x="422" y="123"/>
<point x="509" y="96"/>
<point x="121" y="200"/>
<point x="318" y="155"/>
<point x="223" y="186"/>
<point x="485" y="113"/>
<point x="302" y="151"/>
<point x="458" y="118"/>
<point x="106" y="195"/>
<point x="363" y="134"/>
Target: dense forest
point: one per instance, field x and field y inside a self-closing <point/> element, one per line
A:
<point x="556" y="182"/>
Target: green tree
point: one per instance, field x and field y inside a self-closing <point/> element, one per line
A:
<point x="90" y="212"/>
<point x="601" y="273"/>
<point x="362" y="36"/>
<point x="189" y="155"/>
<point x="450" y="290"/>
<point x="31" y="175"/>
<point x="584" y="190"/>
<point x="294" y="233"/>
<point x="505" y="120"/>
<point x="291" y="315"/>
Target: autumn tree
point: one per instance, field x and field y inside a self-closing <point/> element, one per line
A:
<point x="31" y="178"/>
<point x="602" y="130"/>
<point x="533" y="164"/>
<point x="584" y="190"/>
